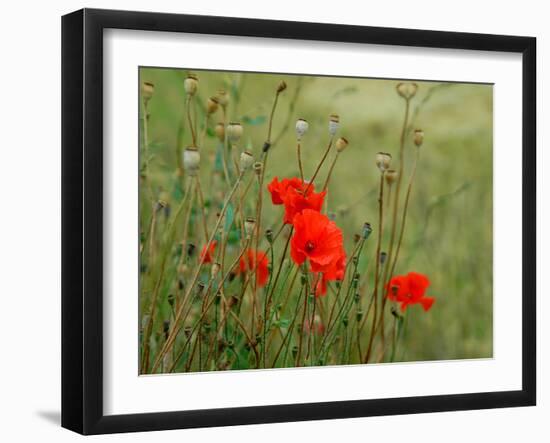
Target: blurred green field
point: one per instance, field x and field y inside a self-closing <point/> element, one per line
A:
<point x="449" y="229"/>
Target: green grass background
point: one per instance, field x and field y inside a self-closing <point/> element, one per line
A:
<point x="449" y="229"/>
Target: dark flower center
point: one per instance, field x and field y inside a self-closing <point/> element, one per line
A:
<point x="310" y="246"/>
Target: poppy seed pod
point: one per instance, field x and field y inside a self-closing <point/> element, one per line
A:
<point x="147" y="90"/>
<point x="391" y="176"/>
<point x="333" y="123"/>
<point x="418" y="137"/>
<point x="215" y="269"/>
<point x="220" y="131"/>
<point x="383" y="160"/>
<point x="258" y="166"/>
<point x="191" y="159"/>
<point x="341" y="144"/>
<point x="301" y="128"/>
<point x="212" y="105"/>
<point x="407" y="90"/>
<point x="234" y="132"/>
<point x="249" y="225"/>
<point x="281" y="86"/>
<point x="191" y="84"/>
<point x="247" y="160"/>
<point x="223" y="98"/>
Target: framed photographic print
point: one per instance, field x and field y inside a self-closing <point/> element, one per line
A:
<point x="273" y="221"/>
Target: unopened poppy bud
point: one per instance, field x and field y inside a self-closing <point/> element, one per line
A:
<point x="391" y="176"/>
<point x="407" y="90"/>
<point x="147" y="90"/>
<point x="190" y="249"/>
<point x="269" y="235"/>
<point x="383" y="257"/>
<point x="171" y="299"/>
<point x="294" y="351"/>
<point x="333" y="123"/>
<point x="212" y="105"/>
<point x="247" y="160"/>
<point x="359" y="315"/>
<point x="301" y="128"/>
<point x="383" y="160"/>
<point x="223" y="97"/>
<point x="266" y="146"/>
<point x="191" y="84"/>
<point x="166" y="327"/>
<point x="341" y="144"/>
<point x="258" y="166"/>
<point x="367" y="229"/>
<point x="418" y="137"/>
<point x="345" y="321"/>
<point x="234" y="132"/>
<point x="249" y="225"/>
<point x="303" y="279"/>
<point x="281" y="86"/>
<point x="191" y="159"/>
<point x="214" y="269"/>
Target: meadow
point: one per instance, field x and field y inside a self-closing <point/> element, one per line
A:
<point x="205" y="308"/>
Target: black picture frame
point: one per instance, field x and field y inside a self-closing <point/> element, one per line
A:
<point x="82" y="220"/>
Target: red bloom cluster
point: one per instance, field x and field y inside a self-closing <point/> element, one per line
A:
<point x="316" y="238"/>
<point x="410" y="289"/>
<point x="296" y="195"/>
<point x="249" y="261"/>
<point x="255" y="260"/>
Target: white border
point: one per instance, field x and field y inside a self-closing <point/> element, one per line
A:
<point x="125" y="392"/>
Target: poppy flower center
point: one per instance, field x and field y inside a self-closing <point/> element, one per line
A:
<point x="310" y="246"/>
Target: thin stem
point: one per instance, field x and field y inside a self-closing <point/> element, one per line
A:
<point x="299" y="154"/>
<point x="376" y="275"/>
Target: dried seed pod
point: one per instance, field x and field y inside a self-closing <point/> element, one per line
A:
<point x="234" y="132"/>
<point x="191" y="84"/>
<point x="212" y="105"/>
<point x="341" y="144"/>
<point x="246" y="161"/>
<point x="249" y="225"/>
<point x="258" y="166"/>
<point x="418" y="137"/>
<point x="214" y="270"/>
<point x="407" y="90"/>
<point x="383" y="160"/>
<point x="147" y="90"/>
<point x="333" y="123"/>
<point x="191" y="159"/>
<point x="220" y="131"/>
<point x="391" y="176"/>
<point x="301" y="128"/>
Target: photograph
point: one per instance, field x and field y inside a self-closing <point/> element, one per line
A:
<point x="290" y="221"/>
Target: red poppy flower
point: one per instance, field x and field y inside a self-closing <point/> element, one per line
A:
<point x="410" y="289"/>
<point x="296" y="195"/>
<point x="318" y="239"/>
<point x="335" y="272"/>
<point x="248" y="262"/>
<point x="206" y="255"/>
